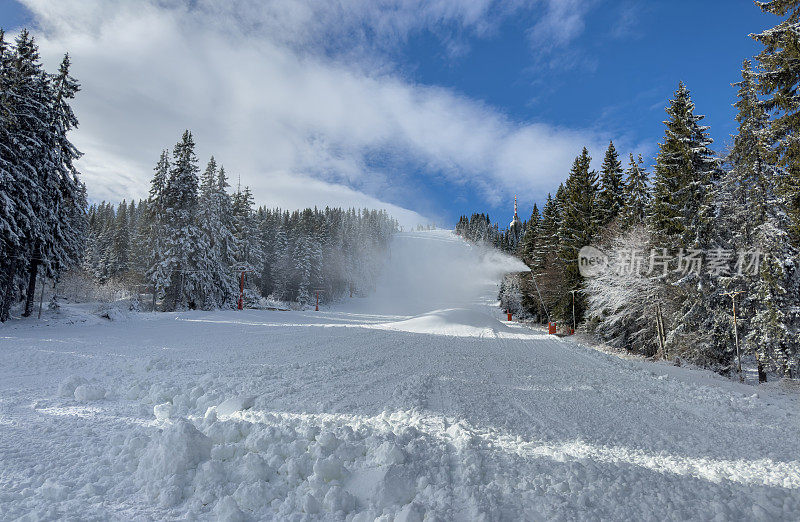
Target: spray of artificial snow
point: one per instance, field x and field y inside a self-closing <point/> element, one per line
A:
<point x="437" y="269"/>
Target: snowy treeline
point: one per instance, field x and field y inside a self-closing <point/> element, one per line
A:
<point x="42" y="202"/>
<point x="479" y="229"/>
<point x="191" y="239"/>
<point x="681" y="245"/>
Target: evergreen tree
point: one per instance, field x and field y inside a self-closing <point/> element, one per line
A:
<point x="779" y="80"/>
<point x="31" y="92"/>
<point x="528" y="244"/>
<point x="637" y="194"/>
<point x="140" y="239"/>
<point x="120" y="247"/>
<point x="184" y="245"/>
<point x="611" y="197"/>
<point x="578" y="228"/>
<point x="42" y="215"/>
<point x="158" y="271"/>
<point x="10" y="220"/>
<point x="68" y="236"/>
<point x="753" y="213"/>
<point x="214" y="220"/>
<point x="684" y="168"/>
<point x="682" y="217"/>
<point x="249" y="254"/>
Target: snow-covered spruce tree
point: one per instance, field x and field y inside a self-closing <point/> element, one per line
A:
<point x="546" y="265"/>
<point x="249" y="254"/>
<point x="579" y="227"/>
<point x="216" y="223"/>
<point x="16" y="214"/>
<point x="752" y="210"/>
<point x="611" y="195"/>
<point x="93" y="255"/>
<point x="773" y="330"/>
<point x="49" y="201"/>
<point x="157" y="271"/>
<point x="281" y="270"/>
<point x="120" y="245"/>
<point x="683" y="166"/>
<point x="69" y="193"/>
<point x="528" y="251"/>
<point x="139" y="233"/>
<point x="637" y="194"/>
<point x="25" y="139"/>
<point x="9" y="226"/>
<point x="527" y="247"/>
<point x="779" y="81"/>
<point x="105" y="242"/>
<point x="308" y="259"/>
<point x="269" y="230"/>
<point x="333" y="262"/>
<point x="184" y="242"/>
<point x="681" y="217"/>
<point x="224" y="205"/>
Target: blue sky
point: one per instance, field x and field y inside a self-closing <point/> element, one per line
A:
<point x="430" y="108"/>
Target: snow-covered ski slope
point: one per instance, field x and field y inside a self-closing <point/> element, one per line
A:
<point x="417" y="404"/>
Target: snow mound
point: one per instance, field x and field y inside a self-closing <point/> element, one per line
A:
<point x="114" y="312"/>
<point x="234" y="404"/>
<point x="67" y="387"/>
<point x="170" y="461"/>
<point x="266" y="465"/>
<point x="89" y="392"/>
<point x="163" y="411"/>
<point x="456" y="322"/>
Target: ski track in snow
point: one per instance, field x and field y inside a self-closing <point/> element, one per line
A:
<point x="377" y="408"/>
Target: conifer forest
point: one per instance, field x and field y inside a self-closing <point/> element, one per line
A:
<point x="739" y="207"/>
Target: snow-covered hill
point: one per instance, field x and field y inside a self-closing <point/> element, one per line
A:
<point x="418" y="403"/>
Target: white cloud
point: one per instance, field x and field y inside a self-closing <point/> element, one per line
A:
<point x="282" y="94"/>
<point x="562" y="22"/>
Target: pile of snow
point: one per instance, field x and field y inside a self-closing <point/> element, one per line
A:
<point x="235" y="404"/>
<point x="456" y="322"/>
<point x="259" y="465"/>
<point x="89" y="392"/>
<point x="67" y="387"/>
<point x="116" y="311"/>
<point x="79" y="388"/>
<point x="169" y="462"/>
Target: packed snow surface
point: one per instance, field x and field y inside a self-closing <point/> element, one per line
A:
<point x="418" y="404"/>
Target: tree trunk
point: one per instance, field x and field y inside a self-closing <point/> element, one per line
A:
<point x="762" y="374"/>
<point x="30" y="293"/>
<point x="7" y="291"/>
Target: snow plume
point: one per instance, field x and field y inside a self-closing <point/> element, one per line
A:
<point x="437" y="269"/>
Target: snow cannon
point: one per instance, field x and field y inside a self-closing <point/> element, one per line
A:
<point x="551" y="328"/>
